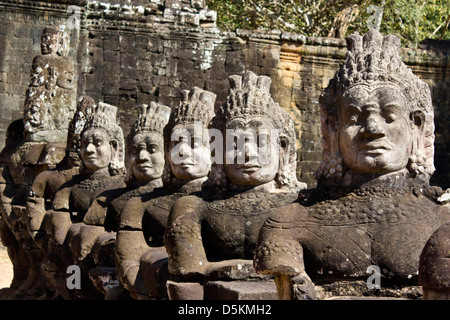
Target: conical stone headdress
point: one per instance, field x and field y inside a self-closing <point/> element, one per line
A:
<point x="373" y="59"/>
<point x="104" y="116"/>
<point x="151" y="118"/>
<point x="249" y="96"/>
<point x="196" y="105"/>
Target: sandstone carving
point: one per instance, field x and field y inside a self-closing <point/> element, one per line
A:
<point x="102" y="168"/>
<point x="373" y="205"/>
<point x="434" y="267"/>
<point x="92" y="241"/>
<point x="50" y="100"/>
<point x="213" y="236"/>
<point x="141" y="258"/>
<point x="46" y="184"/>
<point x="41" y="137"/>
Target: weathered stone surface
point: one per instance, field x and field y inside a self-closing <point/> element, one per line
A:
<point x="213" y="236"/>
<point x="101" y="169"/>
<point x="240" y="290"/>
<point x="373" y="204"/>
<point x="305" y="64"/>
<point x="184" y="291"/>
<point x="141" y="258"/>
<point x="434" y="268"/>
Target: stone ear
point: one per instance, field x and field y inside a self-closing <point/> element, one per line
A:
<point x="331" y="123"/>
<point x="284" y="152"/>
<point x="284" y="143"/>
<point x="418" y="119"/>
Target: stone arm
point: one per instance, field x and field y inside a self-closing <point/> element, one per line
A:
<point x="83" y="236"/>
<point x="58" y="220"/>
<point x="8" y="191"/>
<point x="280" y="253"/>
<point x="41" y="192"/>
<point x="183" y="238"/>
<point x="131" y="246"/>
<point x="434" y="266"/>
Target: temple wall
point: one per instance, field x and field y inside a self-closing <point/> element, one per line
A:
<point x="143" y="51"/>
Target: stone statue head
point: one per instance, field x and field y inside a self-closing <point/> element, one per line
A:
<point x="34" y="113"/>
<point x="187" y="140"/>
<point x="102" y="142"/>
<point x="145" y="143"/>
<point x="49" y="40"/>
<point x="259" y="138"/>
<point x="54" y="40"/>
<point x="376" y="115"/>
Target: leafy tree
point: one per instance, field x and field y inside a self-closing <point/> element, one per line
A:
<point x="413" y="21"/>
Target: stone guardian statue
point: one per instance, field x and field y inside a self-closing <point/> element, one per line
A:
<point x="373" y="205"/>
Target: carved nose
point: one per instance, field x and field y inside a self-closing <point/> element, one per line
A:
<point x="372" y="127"/>
<point x="250" y="151"/>
<point x="90" y="148"/>
<point x="185" y="149"/>
<point x="143" y="155"/>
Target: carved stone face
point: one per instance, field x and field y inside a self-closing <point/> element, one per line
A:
<point x="254" y="151"/>
<point x="147" y="156"/>
<point x="33" y="117"/>
<point x="49" y="42"/>
<point x="375" y="129"/>
<point x="190" y="154"/>
<point x="96" y="150"/>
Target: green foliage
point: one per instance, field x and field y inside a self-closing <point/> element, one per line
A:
<point x="413" y="21"/>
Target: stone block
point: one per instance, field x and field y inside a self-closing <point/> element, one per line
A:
<point x="112" y="68"/>
<point x="240" y="290"/>
<point x="147" y="87"/>
<point x="234" y="62"/>
<point x="127" y="61"/>
<point x="269" y="58"/>
<point x="111" y="55"/>
<point x="110" y="91"/>
<point x="184" y="290"/>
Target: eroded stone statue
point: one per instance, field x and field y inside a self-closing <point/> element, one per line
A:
<point x="92" y="241"/>
<point x="50" y="100"/>
<point x="373" y="205"/>
<point x="102" y="168"/>
<point x="50" y="103"/>
<point x="141" y="259"/>
<point x="46" y="184"/>
<point x="213" y="236"/>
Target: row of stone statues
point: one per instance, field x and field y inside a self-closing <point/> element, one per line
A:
<point x="199" y="204"/>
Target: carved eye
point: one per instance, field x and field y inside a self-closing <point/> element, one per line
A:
<point x="263" y="140"/>
<point x="98" y="142"/>
<point x="196" y="142"/>
<point x="152" y="148"/>
<point x="390" y="117"/>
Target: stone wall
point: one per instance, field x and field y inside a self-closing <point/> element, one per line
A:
<point x="141" y="51"/>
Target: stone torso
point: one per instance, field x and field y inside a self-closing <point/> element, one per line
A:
<point x="86" y="190"/>
<point x="156" y="207"/>
<point x="369" y="226"/>
<point x="232" y="224"/>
